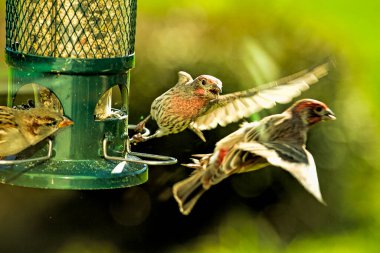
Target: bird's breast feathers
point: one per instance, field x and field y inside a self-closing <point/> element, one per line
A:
<point x="188" y="107"/>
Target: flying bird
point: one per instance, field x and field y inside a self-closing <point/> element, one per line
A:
<point x="278" y="140"/>
<point x="196" y="104"/>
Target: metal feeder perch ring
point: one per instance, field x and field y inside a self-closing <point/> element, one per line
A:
<point x="160" y="159"/>
<point x="36" y="159"/>
<point x="80" y="50"/>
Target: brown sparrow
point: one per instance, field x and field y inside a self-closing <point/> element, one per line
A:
<point x="20" y="129"/>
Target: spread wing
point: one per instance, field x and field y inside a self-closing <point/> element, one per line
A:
<point x="247" y="131"/>
<point x="235" y="106"/>
<point x="296" y="160"/>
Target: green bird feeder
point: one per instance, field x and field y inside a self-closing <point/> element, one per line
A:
<point x="82" y="51"/>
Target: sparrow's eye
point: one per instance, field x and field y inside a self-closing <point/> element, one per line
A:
<point x="204" y="82"/>
<point x="52" y="123"/>
<point x="318" y="109"/>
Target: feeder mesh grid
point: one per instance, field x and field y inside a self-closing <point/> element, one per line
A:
<point x="71" y="28"/>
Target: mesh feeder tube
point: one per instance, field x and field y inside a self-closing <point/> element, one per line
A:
<point x="79" y="50"/>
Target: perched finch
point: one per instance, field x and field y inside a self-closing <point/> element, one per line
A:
<point x="20" y="129"/>
<point x="197" y="105"/>
<point x="277" y="140"/>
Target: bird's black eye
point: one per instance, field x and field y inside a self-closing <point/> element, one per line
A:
<point x="204" y="81"/>
<point x="52" y="123"/>
<point x="318" y="109"/>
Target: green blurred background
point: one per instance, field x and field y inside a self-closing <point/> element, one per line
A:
<point x="244" y="43"/>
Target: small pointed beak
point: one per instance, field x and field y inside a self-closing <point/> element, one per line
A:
<point x="220" y="86"/>
<point x="329" y="115"/>
<point x="66" y="122"/>
<point x="216" y="87"/>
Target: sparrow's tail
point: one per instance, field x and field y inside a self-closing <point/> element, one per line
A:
<point x="188" y="191"/>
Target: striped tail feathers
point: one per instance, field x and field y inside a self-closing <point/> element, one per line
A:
<point x="188" y="191"/>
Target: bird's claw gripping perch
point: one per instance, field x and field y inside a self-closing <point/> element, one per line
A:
<point x="137" y="138"/>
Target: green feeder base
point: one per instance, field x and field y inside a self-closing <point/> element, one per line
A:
<point x="83" y="55"/>
<point x="77" y="175"/>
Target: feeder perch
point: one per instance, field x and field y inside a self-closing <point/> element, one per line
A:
<point x="82" y="51"/>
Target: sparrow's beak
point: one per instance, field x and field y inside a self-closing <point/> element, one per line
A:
<point x="217" y="87"/>
<point x="329" y="115"/>
<point x="66" y="122"/>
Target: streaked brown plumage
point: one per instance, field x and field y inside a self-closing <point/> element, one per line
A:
<point x="277" y="140"/>
<point x="20" y="129"/>
<point x="197" y="105"/>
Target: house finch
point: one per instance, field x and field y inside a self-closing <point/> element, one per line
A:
<point x="197" y="105"/>
<point x="20" y="129"/>
<point x="277" y="140"/>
